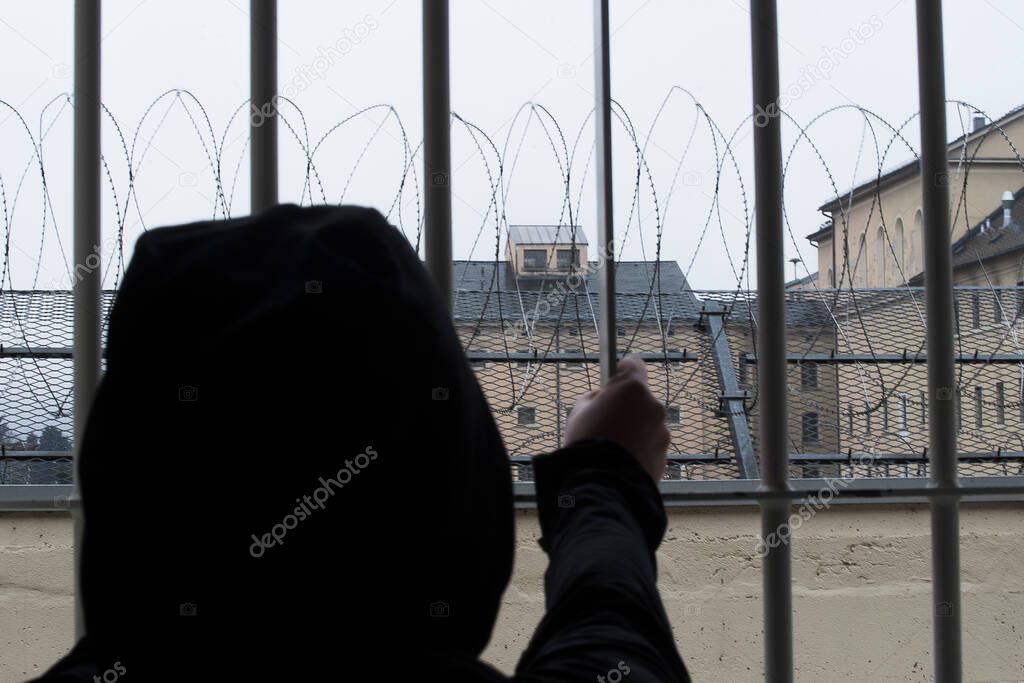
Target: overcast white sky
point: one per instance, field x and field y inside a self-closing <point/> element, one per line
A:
<point x="504" y="54"/>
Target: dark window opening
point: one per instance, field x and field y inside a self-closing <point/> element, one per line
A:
<point x="672" y="414"/>
<point x="809" y="375"/>
<point x="979" y="420"/>
<point x="535" y="259"/>
<point x="975" y="311"/>
<point x="527" y="416"/>
<point x="1000" y="403"/>
<point x="809" y="428"/>
<point x="568" y="256"/>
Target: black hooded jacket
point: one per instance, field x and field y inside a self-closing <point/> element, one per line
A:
<point x="290" y="473"/>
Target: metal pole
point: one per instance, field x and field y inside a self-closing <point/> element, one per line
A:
<point x="86" y="289"/>
<point x="437" y="150"/>
<point x="605" y="225"/>
<point x="771" y="339"/>
<point x="263" y="103"/>
<point x="939" y="308"/>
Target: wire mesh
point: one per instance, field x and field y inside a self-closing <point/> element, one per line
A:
<point x="856" y="358"/>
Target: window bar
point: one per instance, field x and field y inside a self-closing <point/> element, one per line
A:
<point x="86" y="289"/>
<point x="263" y="104"/>
<point x="945" y="510"/>
<point x="437" y="153"/>
<point x="771" y="339"/>
<point x="605" y="227"/>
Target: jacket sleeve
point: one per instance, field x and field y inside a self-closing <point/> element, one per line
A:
<point x="601" y="520"/>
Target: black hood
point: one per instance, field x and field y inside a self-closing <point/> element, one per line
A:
<point x="300" y="359"/>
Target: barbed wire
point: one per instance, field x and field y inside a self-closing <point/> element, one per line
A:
<point x="844" y="322"/>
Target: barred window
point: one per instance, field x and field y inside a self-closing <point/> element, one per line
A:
<point x="809" y="428"/>
<point x="979" y="420"/>
<point x="527" y="416"/>
<point x="809" y="375"/>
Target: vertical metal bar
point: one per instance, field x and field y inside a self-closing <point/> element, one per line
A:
<point x="263" y="103"/>
<point x="939" y="308"/>
<point x="437" y="150"/>
<point x="605" y="226"/>
<point x="771" y="339"/>
<point x="86" y="289"/>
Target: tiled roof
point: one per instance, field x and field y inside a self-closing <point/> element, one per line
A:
<point x="489" y="290"/>
<point x="997" y="239"/>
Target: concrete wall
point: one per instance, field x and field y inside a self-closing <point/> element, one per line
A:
<point x="861" y="592"/>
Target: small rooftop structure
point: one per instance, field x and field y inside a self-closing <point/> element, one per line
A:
<point x="546" y="234"/>
<point x="543" y="251"/>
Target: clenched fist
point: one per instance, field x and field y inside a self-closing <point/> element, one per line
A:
<point x="624" y="411"/>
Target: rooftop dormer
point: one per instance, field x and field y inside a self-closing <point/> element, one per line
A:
<point x="546" y="250"/>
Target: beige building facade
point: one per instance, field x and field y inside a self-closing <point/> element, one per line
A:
<point x="873" y="236"/>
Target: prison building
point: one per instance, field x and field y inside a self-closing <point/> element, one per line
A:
<point x="873" y="234"/>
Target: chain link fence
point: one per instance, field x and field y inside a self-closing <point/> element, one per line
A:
<point x="857" y="377"/>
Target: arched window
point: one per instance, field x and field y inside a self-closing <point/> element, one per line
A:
<point x="914" y="264"/>
<point x="881" y="251"/>
<point x="859" y="274"/>
<point x="899" y="270"/>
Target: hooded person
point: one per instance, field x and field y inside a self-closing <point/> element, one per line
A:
<point x="289" y="472"/>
